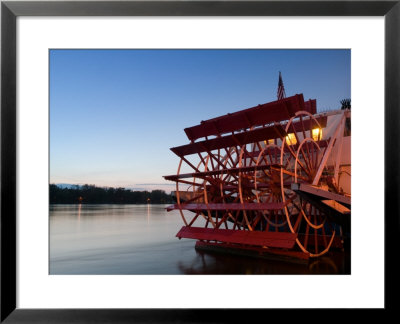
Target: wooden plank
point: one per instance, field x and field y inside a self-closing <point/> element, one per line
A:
<point x="260" y="115"/>
<point x="205" y="174"/>
<point x="336" y="206"/>
<point x="257" y="238"/>
<point x="311" y="106"/>
<point x="246" y="137"/>
<point x="228" y="206"/>
<point x="317" y="191"/>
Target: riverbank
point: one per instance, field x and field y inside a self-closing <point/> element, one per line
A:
<point x="90" y="194"/>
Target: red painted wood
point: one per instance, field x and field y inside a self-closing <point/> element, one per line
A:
<point x="260" y="115"/>
<point x="228" y="206"/>
<point x="202" y="175"/>
<point x="258" y="238"/>
<point x="239" y="139"/>
<point x="311" y="106"/>
<point x="245" y="137"/>
<point x="318" y="191"/>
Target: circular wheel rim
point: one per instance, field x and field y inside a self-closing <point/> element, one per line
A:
<point x="212" y="189"/>
<point x="270" y="155"/>
<point x="304" y="159"/>
<point x="190" y="219"/>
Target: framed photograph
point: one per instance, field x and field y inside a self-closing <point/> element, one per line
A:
<point x="101" y="103"/>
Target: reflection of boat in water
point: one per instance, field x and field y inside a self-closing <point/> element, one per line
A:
<point x="275" y="176"/>
<point x="214" y="262"/>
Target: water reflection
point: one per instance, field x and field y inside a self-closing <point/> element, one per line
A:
<point x="140" y="239"/>
<point x="207" y="262"/>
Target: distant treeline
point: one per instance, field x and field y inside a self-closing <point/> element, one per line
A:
<point x="90" y="194"/>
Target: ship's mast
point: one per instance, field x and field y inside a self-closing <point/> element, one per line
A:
<point x="281" y="89"/>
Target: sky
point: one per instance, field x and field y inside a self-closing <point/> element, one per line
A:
<point x="115" y="114"/>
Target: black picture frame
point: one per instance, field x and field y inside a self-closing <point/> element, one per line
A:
<point x="10" y="10"/>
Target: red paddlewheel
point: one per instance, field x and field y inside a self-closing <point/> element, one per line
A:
<point x="268" y="188"/>
<point x="213" y="182"/>
<point x="261" y="184"/>
<point x="241" y="179"/>
<point x="301" y="157"/>
<point x="224" y="192"/>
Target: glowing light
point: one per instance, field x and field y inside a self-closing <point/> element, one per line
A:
<point x="269" y="142"/>
<point x="291" y="139"/>
<point x="317" y="134"/>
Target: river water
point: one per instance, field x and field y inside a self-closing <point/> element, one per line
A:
<point x="140" y="239"/>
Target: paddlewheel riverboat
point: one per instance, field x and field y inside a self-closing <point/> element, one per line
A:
<point x="275" y="178"/>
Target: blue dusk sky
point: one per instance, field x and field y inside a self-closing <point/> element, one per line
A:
<point x="115" y="114"/>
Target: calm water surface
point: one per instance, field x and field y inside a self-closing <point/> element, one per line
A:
<point x="140" y="239"/>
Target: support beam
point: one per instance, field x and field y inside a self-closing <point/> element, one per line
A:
<point x="328" y="151"/>
<point x="317" y="191"/>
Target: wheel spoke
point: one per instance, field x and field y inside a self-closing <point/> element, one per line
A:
<point x="313" y="238"/>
